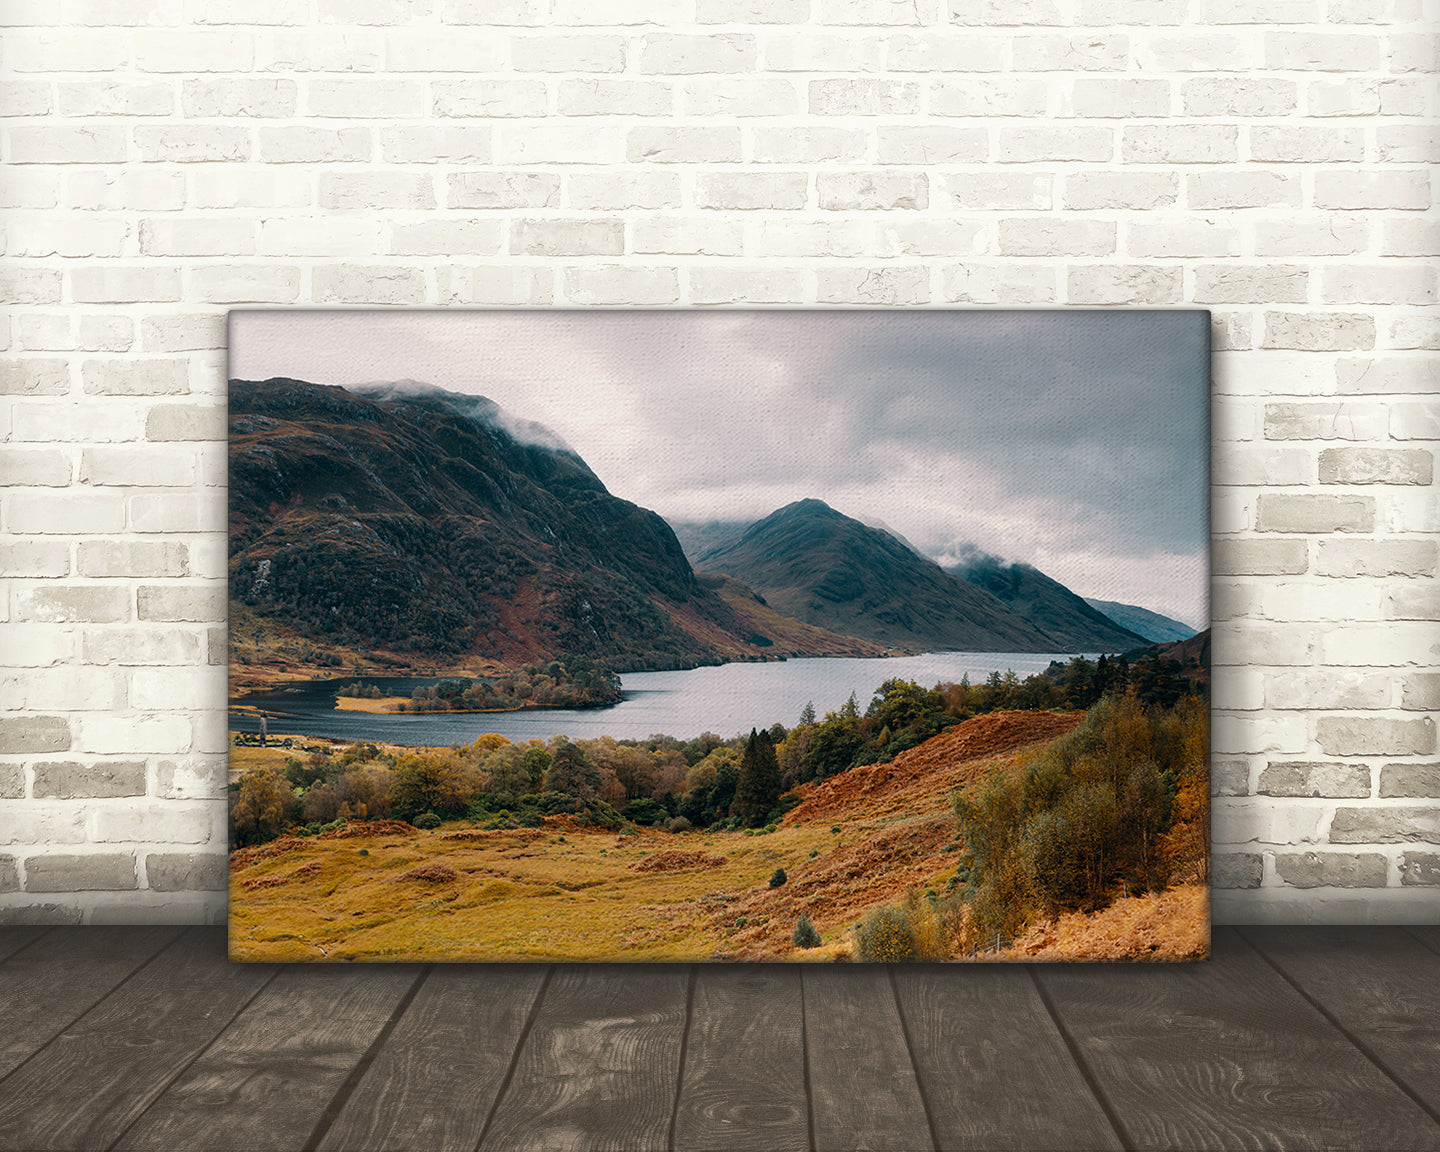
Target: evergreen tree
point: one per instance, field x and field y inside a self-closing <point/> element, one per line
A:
<point x="572" y="773"/>
<point x="758" y="787"/>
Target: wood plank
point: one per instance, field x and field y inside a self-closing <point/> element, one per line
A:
<point x="863" y="1089"/>
<point x="61" y="976"/>
<point x="994" y="1069"/>
<point x="744" y="1079"/>
<point x="269" y="1077"/>
<point x="14" y="937"/>
<point x="92" y="1081"/>
<point x="599" y="1067"/>
<point x="1427" y="934"/>
<point x="1226" y="1055"/>
<point x="1381" y="985"/>
<point x="437" y="1077"/>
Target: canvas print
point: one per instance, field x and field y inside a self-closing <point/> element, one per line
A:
<point x="719" y="636"/>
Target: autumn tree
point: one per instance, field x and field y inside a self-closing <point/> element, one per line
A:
<point x="262" y="806"/>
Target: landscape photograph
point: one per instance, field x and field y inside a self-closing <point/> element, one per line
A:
<point x="792" y="635"/>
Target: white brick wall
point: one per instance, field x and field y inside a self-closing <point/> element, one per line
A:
<point x="1269" y="159"/>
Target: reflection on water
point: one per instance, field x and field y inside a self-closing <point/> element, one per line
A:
<point x="727" y="699"/>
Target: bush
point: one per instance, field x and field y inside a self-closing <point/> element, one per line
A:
<point x="885" y="936"/>
<point x="778" y="878"/>
<point x="427" y="820"/>
<point x="679" y="824"/>
<point x="805" y="935"/>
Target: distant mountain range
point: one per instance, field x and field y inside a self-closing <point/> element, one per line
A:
<point x="1151" y="625"/>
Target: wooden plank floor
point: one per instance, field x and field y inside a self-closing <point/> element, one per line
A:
<point x="1322" y="1039"/>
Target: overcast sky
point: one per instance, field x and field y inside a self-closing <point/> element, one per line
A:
<point x="1074" y="441"/>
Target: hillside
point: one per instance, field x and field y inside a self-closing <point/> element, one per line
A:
<point x="1152" y="626"/>
<point x="826" y="569"/>
<point x="1046" y="603"/>
<point x="425" y="527"/>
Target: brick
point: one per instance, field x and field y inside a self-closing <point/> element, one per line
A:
<point x="139" y="646"/>
<point x="29" y="285"/>
<point x="185" y="871"/>
<point x="872" y="191"/>
<point x="722" y="285"/>
<point x="555" y="237"/>
<point x="34" y="558"/>
<point x="1410" y="781"/>
<point x="1238" y="96"/>
<point x="149" y="466"/>
<point x="345" y="50"/>
<point x="1307" y="238"/>
<point x="367" y="97"/>
<point x="1349" y="97"/>
<point x="1325" y="421"/>
<point x="687" y="236"/>
<point x="446" y="237"/>
<point x="674" y="54"/>
<point x="1321" y="52"/>
<point x="1408" y="144"/>
<point x="807" y="145"/>
<point x="156" y="688"/>
<point x="604" y="97"/>
<point x="1269" y="284"/>
<point x="1372" y="190"/>
<point x="621" y="284"/>
<point x="1413" y="330"/>
<point x="92" y="872"/>
<point x="136" y="734"/>
<point x="623" y="189"/>
<point x="752" y="11"/>
<point x="1324" y="600"/>
<point x="76" y="513"/>
<point x="1420" y="868"/>
<point x="1065" y="53"/>
<point x="193" y="50"/>
<point x="68" y="144"/>
<point x="863" y="96"/>
<point x="1236" y="869"/>
<point x="555" y="53"/>
<point x="1120" y="284"/>
<point x="180" y="603"/>
<point x="1334" y="688"/>
<point x="683" y="145"/>
<point x="306" y="144"/>
<point x="146" y="377"/>
<point x="373" y="11"/>
<point x="775" y="96"/>
<point x="184" y="422"/>
<point x="71" y="780"/>
<point x="26" y="98"/>
<point x="237" y="96"/>
<point x="1180" y="144"/>
<point x="1380" y="645"/>
<point x="1375" y="736"/>
<point x="1408" y="236"/>
<point x="1420" y="691"/>
<point x="191" y="143"/>
<point x="34" y="376"/>
<point x="905" y="236"/>
<point x="1134" y="190"/>
<point x="813" y="51"/>
<point x="1386" y="825"/>
<point x="1264" y="821"/>
<point x="871" y="12"/>
<point x="368" y="285"/>
<point x="44" y="913"/>
<point x="503" y="190"/>
<point x="752" y="190"/>
<point x="1388" y="283"/>
<point x="1376" y="466"/>
<point x="97" y="420"/>
<point x="9" y="874"/>
<point x="239" y="284"/>
<point x="945" y="51"/>
<point x="450" y="144"/>
<point x="1005" y="13"/>
<point x="125" y="285"/>
<point x="1027" y="145"/>
<point x="931" y="144"/>
<point x="192" y="778"/>
<point x="987" y="97"/>
<point x="1242" y="189"/>
<point x="811" y="238"/>
<point x="1258" y="644"/>
<point x="489" y="98"/>
<point x="1259" y="557"/>
<point x="874" y="286"/>
<point x="1283" y="512"/>
<point x="172" y="822"/>
<point x="35" y="646"/>
<point x="1106" y="98"/>
<point x="1328" y="780"/>
<point x="1384" y="558"/>
<point x="368" y="191"/>
<point x="1299" y="144"/>
<point x="1333" y="869"/>
<point x="1017" y="191"/>
<point x="1230" y="778"/>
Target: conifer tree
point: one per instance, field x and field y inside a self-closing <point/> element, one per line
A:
<point x="758" y="788"/>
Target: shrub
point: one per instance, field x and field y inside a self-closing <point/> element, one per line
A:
<point x="679" y="824"/>
<point x="778" y="878"/>
<point x="427" y="820"/>
<point x="885" y="935"/>
<point x="805" y="935"/>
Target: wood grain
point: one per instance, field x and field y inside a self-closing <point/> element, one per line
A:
<point x="744" y="1081"/>
<point x="94" y="1079"/>
<point x="436" y="1079"/>
<point x="995" y="1071"/>
<point x="1227" y="1055"/>
<point x="862" y="1081"/>
<point x="18" y="936"/>
<point x="267" y="1080"/>
<point x="599" y="1067"/>
<point x="1382" y="987"/>
<point x="61" y="976"/>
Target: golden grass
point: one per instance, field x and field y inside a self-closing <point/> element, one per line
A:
<point x="1170" y="925"/>
<point x="360" y="704"/>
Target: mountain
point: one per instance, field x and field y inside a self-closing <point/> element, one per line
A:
<point x="823" y="568"/>
<point x="1046" y="603"/>
<point x="413" y="525"/>
<point x="1151" y="625"/>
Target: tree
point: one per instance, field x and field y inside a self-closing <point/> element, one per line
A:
<point x="263" y="805"/>
<point x="427" y="782"/>
<point x="572" y="773"/>
<point x="758" y="787"/>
